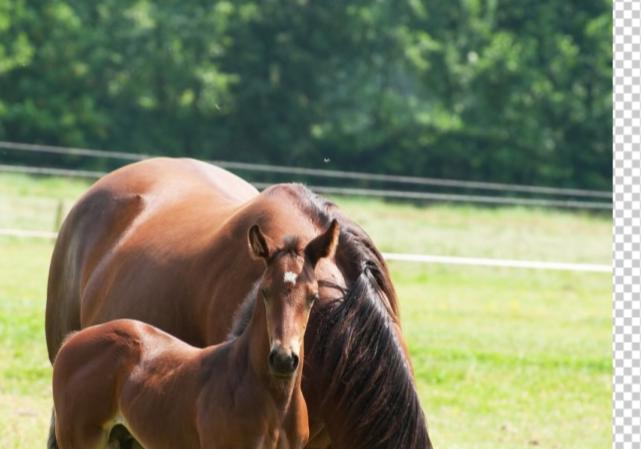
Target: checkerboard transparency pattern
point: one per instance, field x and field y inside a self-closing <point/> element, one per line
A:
<point x="627" y="224"/>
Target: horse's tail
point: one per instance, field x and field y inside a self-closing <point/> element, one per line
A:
<point x="52" y="443"/>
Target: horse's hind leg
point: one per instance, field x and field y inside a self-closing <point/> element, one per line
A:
<point x="51" y="441"/>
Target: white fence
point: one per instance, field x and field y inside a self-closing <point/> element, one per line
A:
<point x="385" y="193"/>
<point x="414" y="258"/>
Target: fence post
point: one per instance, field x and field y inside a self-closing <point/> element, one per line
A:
<point x="60" y="209"/>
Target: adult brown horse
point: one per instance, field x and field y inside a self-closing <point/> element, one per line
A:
<point x="242" y="394"/>
<point x="163" y="241"/>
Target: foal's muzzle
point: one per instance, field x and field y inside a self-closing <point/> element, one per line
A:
<point x="282" y="362"/>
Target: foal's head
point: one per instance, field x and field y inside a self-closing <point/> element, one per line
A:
<point x="288" y="289"/>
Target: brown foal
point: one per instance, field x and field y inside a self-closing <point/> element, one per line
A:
<point x="244" y="393"/>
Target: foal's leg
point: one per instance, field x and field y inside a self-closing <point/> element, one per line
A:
<point x="85" y="384"/>
<point x="85" y="421"/>
<point x="52" y="442"/>
<point x="83" y="435"/>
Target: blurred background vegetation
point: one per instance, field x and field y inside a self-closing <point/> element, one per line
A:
<point x="497" y="90"/>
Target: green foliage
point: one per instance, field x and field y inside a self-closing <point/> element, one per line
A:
<point x="499" y="90"/>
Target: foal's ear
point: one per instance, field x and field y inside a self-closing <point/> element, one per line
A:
<point x="257" y="243"/>
<point x="324" y="245"/>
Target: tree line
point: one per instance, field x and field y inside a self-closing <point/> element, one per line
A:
<point x="497" y="90"/>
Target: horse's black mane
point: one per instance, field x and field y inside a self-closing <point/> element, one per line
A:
<point x="366" y="374"/>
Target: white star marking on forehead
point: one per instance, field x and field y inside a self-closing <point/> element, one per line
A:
<point x="290" y="278"/>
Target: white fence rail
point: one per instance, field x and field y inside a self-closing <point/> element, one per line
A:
<point x="412" y="258"/>
<point x="504" y="263"/>
<point x="384" y="193"/>
<point x="28" y="233"/>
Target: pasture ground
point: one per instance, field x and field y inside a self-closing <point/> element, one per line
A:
<point x="504" y="358"/>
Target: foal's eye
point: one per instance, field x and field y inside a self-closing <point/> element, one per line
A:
<point x="264" y="292"/>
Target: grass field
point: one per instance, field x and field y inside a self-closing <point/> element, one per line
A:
<point x="504" y="358"/>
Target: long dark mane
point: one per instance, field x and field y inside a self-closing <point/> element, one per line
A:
<point x="366" y="377"/>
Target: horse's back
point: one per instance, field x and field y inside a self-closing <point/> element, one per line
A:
<point x="118" y="353"/>
<point x="117" y="342"/>
<point x="161" y="207"/>
<point x="172" y="178"/>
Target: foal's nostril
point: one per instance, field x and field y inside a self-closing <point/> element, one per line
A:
<point x="283" y="362"/>
<point x="272" y="358"/>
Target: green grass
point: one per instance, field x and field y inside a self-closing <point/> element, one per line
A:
<point x="32" y="203"/>
<point x="504" y="358"/>
<point x="509" y="233"/>
<point x="25" y="372"/>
